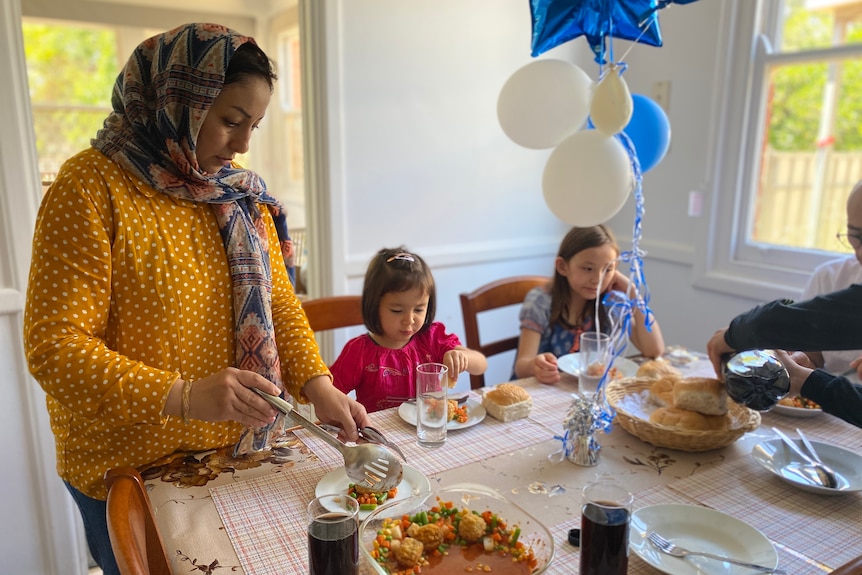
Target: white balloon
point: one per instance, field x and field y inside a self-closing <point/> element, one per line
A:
<point x="612" y="106"/>
<point x="543" y="102"/>
<point x="587" y="178"/>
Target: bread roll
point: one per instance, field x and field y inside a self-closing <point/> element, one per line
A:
<point x="661" y="391"/>
<point x="702" y="394"/>
<point x="507" y="402"/>
<point x="689" y="420"/>
<point x="656" y="369"/>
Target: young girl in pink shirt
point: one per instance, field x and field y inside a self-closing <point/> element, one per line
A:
<point x="398" y="305"/>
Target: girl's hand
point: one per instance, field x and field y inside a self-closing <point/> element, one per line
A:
<point x="619" y="282"/>
<point x="456" y="360"/>
<point x="545" y="368"/>
<point x="857" y="365"/>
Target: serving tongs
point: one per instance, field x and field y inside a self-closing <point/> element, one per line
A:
<point x="369" y="464"/>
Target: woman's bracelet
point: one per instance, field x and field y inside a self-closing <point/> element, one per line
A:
<point x="187" y="400"/>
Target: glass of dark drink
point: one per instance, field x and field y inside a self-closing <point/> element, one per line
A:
<point x="333" y="535"/>
<point x="605" y="516"/>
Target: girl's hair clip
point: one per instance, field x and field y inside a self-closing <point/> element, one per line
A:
<point x="401" y="256"/>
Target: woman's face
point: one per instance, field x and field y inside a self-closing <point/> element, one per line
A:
<point x="228" y="125"/>
<point x="588" y="269"/>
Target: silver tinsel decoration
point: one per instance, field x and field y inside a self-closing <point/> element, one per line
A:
<point x="580" y="425"/>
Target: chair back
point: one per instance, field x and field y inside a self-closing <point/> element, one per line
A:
<point x="333" y="312"/>
<point x="135" y="537"/>
<point x="494" y="295"/>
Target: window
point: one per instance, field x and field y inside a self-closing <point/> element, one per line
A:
<point x="71" y="70"/>
<point x="793" y="142"/>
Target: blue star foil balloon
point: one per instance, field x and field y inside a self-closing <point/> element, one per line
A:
<point x="558" y="21"/>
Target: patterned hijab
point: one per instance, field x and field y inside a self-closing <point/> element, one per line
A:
<point x="159" y="104"/>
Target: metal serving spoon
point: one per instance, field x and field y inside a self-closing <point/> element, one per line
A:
<point x="825" y="475"/>
<point x="368" y="464"/>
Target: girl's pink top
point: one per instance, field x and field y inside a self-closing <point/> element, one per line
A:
<point x="384" y="377"/>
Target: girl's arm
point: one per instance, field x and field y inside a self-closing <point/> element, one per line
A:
<point x="530" y="363"/>
<point x="648" y="341"/>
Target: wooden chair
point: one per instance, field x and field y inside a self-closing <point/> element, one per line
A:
<point x="135" y="537"/>
<point x="497" y="294"/>
<point x="333" y="312"/>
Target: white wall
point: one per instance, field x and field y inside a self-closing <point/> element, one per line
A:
<point x="415" y="157"/>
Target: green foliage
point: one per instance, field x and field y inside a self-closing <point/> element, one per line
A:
<point x="798" y="89"/>
<point x="71" y="72"/>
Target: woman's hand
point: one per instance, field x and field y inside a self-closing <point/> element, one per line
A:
<point x="226" y="396"/>
<point x="335" y="408"/>
<point x="545" y="368"/>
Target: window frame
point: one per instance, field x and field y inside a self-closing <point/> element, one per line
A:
<point x="733" y="264"/>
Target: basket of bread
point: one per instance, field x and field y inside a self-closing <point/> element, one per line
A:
<point x="663" y="408"/>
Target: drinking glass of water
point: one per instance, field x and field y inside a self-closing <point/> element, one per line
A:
<point x="594" y="356"/>
<point x="432" y="408"/>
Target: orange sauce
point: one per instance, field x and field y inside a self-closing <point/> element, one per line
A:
<point x="473" y="559"/>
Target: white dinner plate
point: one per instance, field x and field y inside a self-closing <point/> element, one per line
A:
<point x="475" y="414"/>
<point x="699" y="529"/>
<point x="783" y="462"/>
<point x="571" y="364"/>
<point x="796" y="411"/>
<point x="336" y="481"/>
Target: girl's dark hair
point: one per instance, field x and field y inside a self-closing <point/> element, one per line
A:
<point x="577" y="240"/>
<point x="395" y="270"/>
<point x="250" y="60"/>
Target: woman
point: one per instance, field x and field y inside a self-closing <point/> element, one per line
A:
<point x="158" y="296"/>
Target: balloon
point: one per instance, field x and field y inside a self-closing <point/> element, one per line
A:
<point x="611" y="108"/>
<point x="587" y="178"/>
<point x="649" y="131"/>
<point x="558" y="21"/>
<point x="543" y="102"/>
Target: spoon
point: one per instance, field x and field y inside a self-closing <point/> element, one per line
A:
<point x="825" y="474"/>
<point x="368" y="464"/>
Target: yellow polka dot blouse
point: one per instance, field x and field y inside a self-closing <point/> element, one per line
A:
<point x="129" y="290"/>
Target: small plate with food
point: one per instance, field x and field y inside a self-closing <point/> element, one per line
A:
<point x="413" y="482"/>
<point x="789" y="466"/>
<point x="622" y="367"/>
<point x="461" y="415"/>
<point x="797" y="406"/>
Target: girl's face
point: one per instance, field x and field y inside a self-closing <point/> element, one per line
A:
<point x="402" y="315"/>
<point x="587" y="268"/>
<point x="228" y="125"/>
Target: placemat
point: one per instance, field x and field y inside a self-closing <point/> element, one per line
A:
<point x="811" y="524"/>
<point x="567" y="557"/>
<point x="486" y="439"/>
<point x="265" y="518"/>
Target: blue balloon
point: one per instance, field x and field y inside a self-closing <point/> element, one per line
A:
<point x="649" y="131"/>
<point x="558" y="21"/>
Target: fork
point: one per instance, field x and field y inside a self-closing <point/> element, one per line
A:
<point x="676" y="551"/>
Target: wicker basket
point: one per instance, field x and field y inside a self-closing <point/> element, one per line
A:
<point x="743" y="420"/>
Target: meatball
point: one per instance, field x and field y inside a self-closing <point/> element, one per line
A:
<point x="430" y="535"/>
<point x="471" y="527"/>
<point x="409" y="553"/>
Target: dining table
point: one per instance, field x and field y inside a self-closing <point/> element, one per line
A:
<point x="220" y="514"/>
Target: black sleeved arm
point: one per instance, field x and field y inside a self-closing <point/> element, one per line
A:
<point x="836" y="395"/>
<point x="828" y="322"/>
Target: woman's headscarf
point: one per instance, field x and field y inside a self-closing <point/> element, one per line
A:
<point x="159" y="104"/>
